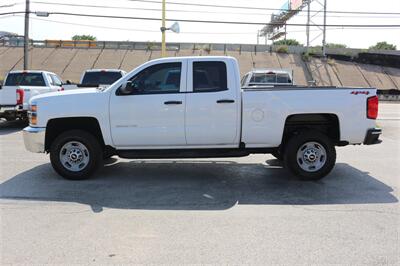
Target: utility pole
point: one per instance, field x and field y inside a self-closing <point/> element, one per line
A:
<point x="163" y="45"/>
<point x="258" y="37"/>
<point x="324" y="32"/>
<point x="308" y="24"/>
<point x="26" y="36"/>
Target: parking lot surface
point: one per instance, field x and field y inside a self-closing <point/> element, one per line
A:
<point x="231" y="211"/>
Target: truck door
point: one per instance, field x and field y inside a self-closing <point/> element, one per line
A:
<point x="153" y="113"/>
<point x="212" y="104"/>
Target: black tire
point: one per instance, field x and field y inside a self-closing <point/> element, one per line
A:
<point x="299" y="141"/>
<point x="277" y="155"/>
<point x="95" y="154"/>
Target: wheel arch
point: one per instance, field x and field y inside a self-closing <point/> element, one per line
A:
<point x="57" y="126"/>
<point x="326" y="123"/>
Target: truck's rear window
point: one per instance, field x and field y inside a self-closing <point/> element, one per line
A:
<point x="101" y="78"/>
<point x="25" y="79"/>
<point x="270" y="78"/>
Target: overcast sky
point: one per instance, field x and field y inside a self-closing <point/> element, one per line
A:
<point x="64" y="27"/>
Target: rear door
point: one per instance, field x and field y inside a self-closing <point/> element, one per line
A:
<point x="212" y="105"/>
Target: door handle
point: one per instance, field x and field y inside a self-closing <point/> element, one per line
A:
<point x="172" y="102"/>
<point x="225" y="101"/>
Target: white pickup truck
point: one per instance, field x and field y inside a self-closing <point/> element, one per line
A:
<point x="20" y="86"/>
<point x="93" y="78"/>
<point x="194" y="107"/>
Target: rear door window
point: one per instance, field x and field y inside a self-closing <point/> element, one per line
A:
<point x="25" y="79"/>
<point x="209" y="76"/>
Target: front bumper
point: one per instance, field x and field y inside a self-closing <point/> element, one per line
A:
<point x="372" y="136"/>
<point x="34" y="139"/>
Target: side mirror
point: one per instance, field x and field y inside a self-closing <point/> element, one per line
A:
<point x="68" y="82"/>
<point x="127" y="88"/>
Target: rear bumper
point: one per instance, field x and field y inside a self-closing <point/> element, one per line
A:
<point x="7" y="108"/>
<point x="372" y="136"/>
<point x="34" y="139"/>
<point x="11" y="109"/>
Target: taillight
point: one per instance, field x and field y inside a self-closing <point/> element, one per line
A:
<point x="372" y="107"/>
<point x="20" y="96"/>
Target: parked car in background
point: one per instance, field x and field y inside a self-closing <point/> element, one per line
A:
<point x="268" y="77"/>
<point x="19" y="86"/>
<point x="96" y="78"/>
<point x="194" y="107"/>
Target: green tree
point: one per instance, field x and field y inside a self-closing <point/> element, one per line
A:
<point x="336" y="45"/>
<point x="383" y="46"/>
<point x="290" y="42"/>
<point x="83" y="38"/>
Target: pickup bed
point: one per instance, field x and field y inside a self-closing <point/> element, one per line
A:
<point x="193" y="107"/>
<point x="20" y="86"/>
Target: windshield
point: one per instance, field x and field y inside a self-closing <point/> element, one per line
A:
<point x="25" y="79"/>
<point x="101" y="78"/>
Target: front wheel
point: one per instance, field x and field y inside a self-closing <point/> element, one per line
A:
<point x="75" y="154"/>
<point x="310" y="155"/>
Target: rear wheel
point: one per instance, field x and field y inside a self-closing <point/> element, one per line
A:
<point x="310" y="155"/>
<point x="75" y="154"/>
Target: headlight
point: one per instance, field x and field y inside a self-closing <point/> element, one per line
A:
<point x="32" y="114"/>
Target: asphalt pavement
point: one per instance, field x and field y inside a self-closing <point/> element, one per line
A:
<point x="224" y="211"/>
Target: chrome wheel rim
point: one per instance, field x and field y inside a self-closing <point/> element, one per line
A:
<point x="74" y="156"/>
<point x="311" y="156"/>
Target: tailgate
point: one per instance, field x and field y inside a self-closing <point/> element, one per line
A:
<point x="8" y="95"/>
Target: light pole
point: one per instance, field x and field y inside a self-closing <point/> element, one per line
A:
<point x="174" y="27"/>
<point x="324" y="33"/>
<point x="163" y="29"/>
<point x="26" y="36"/>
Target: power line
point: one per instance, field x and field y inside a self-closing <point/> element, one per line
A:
<point x="213" y="21"/>
<point x="12" y="13"/>
<point x="183" y="32"/>
<point x="11" y="5"/>
<point x="263" y="8"/>
<point x="147" y="9"/>
<point x="189" y="11"/>
<point x="216" y="6"/>
<point x="225" y="22"/>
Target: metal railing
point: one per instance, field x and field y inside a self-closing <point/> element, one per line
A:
<point x="207" y="47"/>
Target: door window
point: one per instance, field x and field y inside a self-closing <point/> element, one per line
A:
<point x="209" y="76"/>
<point x="55" y="80"/>
<point x="156" y="79"/>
